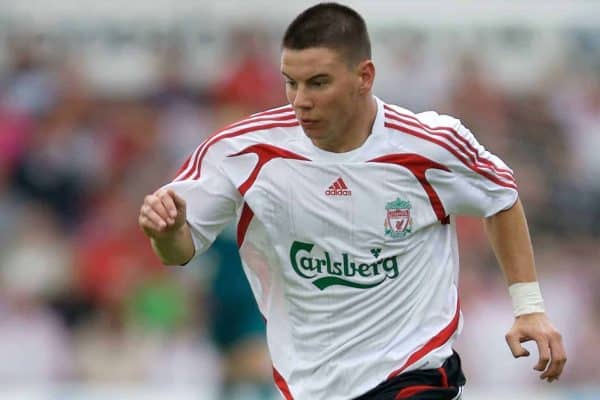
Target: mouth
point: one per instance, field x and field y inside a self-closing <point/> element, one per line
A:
<point x="306" y="122"/>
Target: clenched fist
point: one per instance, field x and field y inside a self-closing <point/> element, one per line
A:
<point x="162" y="214"/>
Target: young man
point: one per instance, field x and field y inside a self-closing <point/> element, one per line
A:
<point x="345" y="210"/>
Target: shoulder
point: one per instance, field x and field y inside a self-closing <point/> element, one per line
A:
<point x="266" y="121"/>
<point x="434" y="120"/>
<point x="426" y="119"/>
<point x="270" y="126"/>
<point x="430" y="126"/>
<point x="264" y="127"/>
<point x="260" y="127"/>
<point x="285" y="109"/>
<point x="438" y="136"/>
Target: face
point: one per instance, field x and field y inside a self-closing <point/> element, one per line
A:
<point x="325" y="93"/>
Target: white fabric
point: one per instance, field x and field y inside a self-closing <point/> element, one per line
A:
<point x="526" y="298"/>
<point x="310" y="255"/>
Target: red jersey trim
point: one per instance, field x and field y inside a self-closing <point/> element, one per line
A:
<point x="272" y="111"/>
<point x="282" y="117"/>
<point x="410" y="391"/>
<point x="277" y="114"/>
<point x="244" y="223"/>
<point x="435" y="342"/>
<point x="418" y="166"/>
<point x="471" y="153"/>
<point x="444" y="376"/>
<point x="451" y="136"/>
<point x="280" y="381"/>
<point x="265" y="153"/>
<point x="502" y="178"/>
<point x="194" y="172"/>
<point x="282" y="385"/>
<point x="471" y="166"/>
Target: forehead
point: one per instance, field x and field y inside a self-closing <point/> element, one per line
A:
<point x="302" y="64"/>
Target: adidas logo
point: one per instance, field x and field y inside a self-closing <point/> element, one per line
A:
<point x="338" y="188"/>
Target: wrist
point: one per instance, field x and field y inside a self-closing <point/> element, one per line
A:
<point x="526" y="298"/>
<point x="175" y="247"/>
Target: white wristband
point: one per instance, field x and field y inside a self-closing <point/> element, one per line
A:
<point x="526" y="298"/>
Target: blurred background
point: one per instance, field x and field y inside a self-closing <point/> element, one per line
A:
<point x="100" y="102"/>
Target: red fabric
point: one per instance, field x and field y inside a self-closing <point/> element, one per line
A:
<point x="445" y="145"/>
<point x="419" y="165"/>
<point x="194" y="173"/>
<point x="449" y="143"/>
<point x="451" y="136"/>
<point x="435" y="342"/>
<point x="411" y="391"/>
<point x="245" y="219"/>
<point x="442" y="372"/>
<point x="282" y="385"/>
<point x="265" y="153"/>
<point x="182" y="173"/>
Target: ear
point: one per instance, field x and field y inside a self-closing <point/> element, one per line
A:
<point x="366" y="76"/>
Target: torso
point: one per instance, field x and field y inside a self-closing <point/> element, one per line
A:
<point x="352" y="257"/>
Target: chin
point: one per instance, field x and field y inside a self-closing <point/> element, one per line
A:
<point x="313" y="133"/>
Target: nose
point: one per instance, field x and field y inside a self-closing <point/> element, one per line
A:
<point x="301" y="99"/>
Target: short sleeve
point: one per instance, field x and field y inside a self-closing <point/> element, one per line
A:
<point x="211" y="199"/>
<point x="478" y="182"/>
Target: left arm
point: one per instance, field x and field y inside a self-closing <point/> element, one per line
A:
<point x="509" y="237"/>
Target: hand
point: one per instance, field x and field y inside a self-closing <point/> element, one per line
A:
<point x="538" y="327"/>
<point x="162" y="214"/>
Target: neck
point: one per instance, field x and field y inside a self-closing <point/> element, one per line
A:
<point x="357" y="130"/>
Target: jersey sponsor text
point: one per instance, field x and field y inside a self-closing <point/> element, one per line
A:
<point x="345" y="272"/>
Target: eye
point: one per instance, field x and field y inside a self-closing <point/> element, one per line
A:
<point x="319" y="83"/>
<point x="290" y="83"/>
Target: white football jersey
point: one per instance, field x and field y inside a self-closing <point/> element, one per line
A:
<point x="352" y="257"/>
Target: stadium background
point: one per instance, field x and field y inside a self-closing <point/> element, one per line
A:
<point x="100" y="102"/>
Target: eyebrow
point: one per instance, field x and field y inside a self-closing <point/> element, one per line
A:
<point x="317" y="76"/>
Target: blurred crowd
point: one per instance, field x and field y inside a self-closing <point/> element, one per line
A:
<point x="84" y="300"/>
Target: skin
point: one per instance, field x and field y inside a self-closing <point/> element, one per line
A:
<point x="163" y="219"/>
<point x="509" y="237"/>
<point x="332" y="98"/>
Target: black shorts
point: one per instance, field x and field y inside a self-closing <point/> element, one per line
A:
<point x="442" y="383"/>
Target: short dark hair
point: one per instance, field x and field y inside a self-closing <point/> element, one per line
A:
<point x="333" y="26"/>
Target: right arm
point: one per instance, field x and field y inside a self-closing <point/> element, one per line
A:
<point x="163" y="219"/>
<point x="184" y="217"/>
